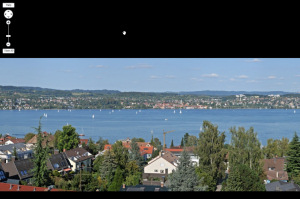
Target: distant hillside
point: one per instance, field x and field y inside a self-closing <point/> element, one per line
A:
<point x="48" y="91"/>
<point x="228" y="93"/>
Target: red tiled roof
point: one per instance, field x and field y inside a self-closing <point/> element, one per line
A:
<point x="174" y="150"/>
<point x="146" y="150"/>
<point x="84" y="140"/>
<point x="107" y="146"/>
<point x="14" y="187"/>
<point x="18" y="140"/>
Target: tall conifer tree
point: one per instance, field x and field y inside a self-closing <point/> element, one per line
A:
<point x="293" y="157"/>
<point x="40" y="171"/>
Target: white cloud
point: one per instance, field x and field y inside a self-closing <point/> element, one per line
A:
<point x="252" y="81"/>
<point x="154" y="77"/>
<point x="253" y="60"/>
<point x="196" y="79"/>
<point x="271" y="77"/>
<point x="138" y="66"/>
<point x="98" y="66"/>
<point x="242" y="77"/>
<point x="297" y="75"/>
<point x="210" y="75"/>
<point x="232" y="79"/>
<point x="170" y="76"/>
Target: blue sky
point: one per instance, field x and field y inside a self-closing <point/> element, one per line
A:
<point x="154" y="74"/>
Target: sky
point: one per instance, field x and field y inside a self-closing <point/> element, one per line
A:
<point x="153" y="74"/>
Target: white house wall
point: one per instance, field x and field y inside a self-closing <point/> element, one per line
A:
<point x="159" y="164"/>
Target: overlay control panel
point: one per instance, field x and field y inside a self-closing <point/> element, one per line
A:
<point x="8" y="15"/>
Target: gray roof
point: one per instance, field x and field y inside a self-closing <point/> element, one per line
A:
<point x="282" y="186"/>
<point x="19" y="168"/>
<point x="144" y="188"/>
<point x="10" y="147"/>
<point x="58" y="162"/>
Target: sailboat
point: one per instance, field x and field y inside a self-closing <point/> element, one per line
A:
<point x="93" y="116"/>
<point x="294" y="111"/>
<point x="180" y="111"/>
<point x="45" y="115"/>
<point x="174" y="111"/>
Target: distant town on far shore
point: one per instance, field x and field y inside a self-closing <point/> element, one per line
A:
<point x="30" y="98"/>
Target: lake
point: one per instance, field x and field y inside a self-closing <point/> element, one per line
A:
<point x="120" y="124"/>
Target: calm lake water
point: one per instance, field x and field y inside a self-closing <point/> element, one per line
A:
<point x="120" y="124"/>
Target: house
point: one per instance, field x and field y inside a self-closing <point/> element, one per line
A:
<point x="79" y="158"/>
<point x="159" y="168"/>
<point x="2" y="174"/>
<point x="59" y="162"/>
<point x="81" y="141"/>
<point x="7" y="151"/>
<point x="146" y="148"/>
<point x="19" y="169"/>
<point x="106" y="147"/>
<point x="274" y="169"/>
<point x="15" y="188"/>
<point x="14" y="141"/>
<point x="49" y="139"/>
<point x="190" y="151"/>
<point x="282" y="186"/>
<point x="5" y="138"/>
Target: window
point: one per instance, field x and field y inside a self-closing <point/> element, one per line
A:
<point x="161" y="171"/>
<point x="155" y="170"/>
<point x="25" y="172"/>
<point x="55" y="166"/>
<point x="22" y="173"/>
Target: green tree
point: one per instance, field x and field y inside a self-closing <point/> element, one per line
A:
<point x="101" y="143"/>
<point x="15" y="153"/>
<point x="184" y="178"/>
<point x="56" y="138"/>
<point x="117" y="181"/>
<point x="40" y="171"/>
<point x="245" y="148"/>
<point x="211" y="151"/>
<point x="91" y="147"/>
<point x="108" y="167"/>
<point x="276" y="148"/>
<point x="293" y="157"/>
<point x="138" y="139"/>
<point x="68" y="138"/>
<point x="243" y="178"/>
<point x="88" y="182"/>
<point x="207" y="179"/>
<point x="182" y="143"/>
<point x="185" y="139"/>
<point x="121" y="154"/>
<point x="172" y="144"/>
<point x="135" y="153"/>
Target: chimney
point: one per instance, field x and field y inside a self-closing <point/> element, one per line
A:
<point x="13" y="158"/>
<point x="10" y="187"/>
<point x="64" y="150"/>
<point x="277" y="174"/>
<point x="3" y="161"/>
<point x="18" y="188"/>
<point x="123" y="186"/>
<point x="161" y="184"/>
